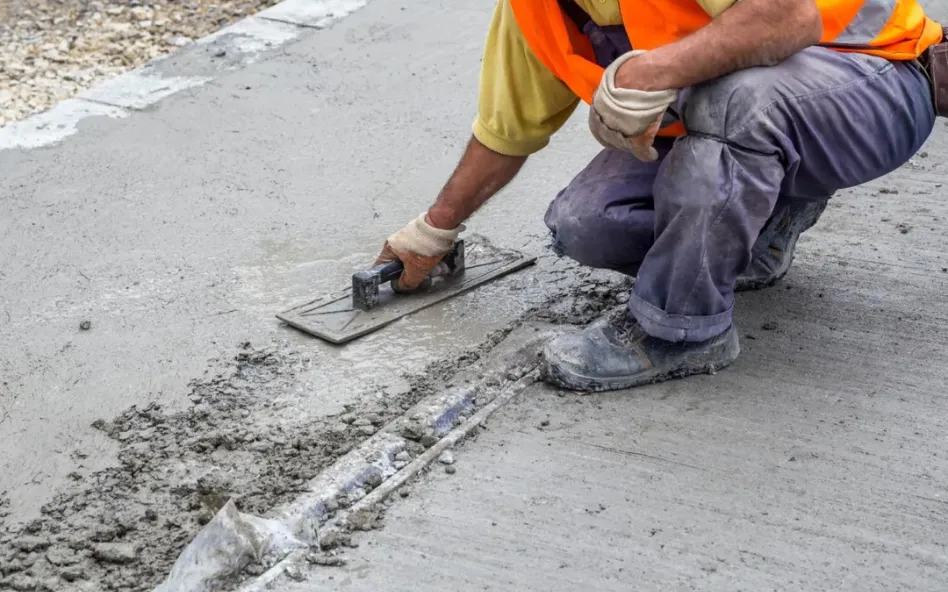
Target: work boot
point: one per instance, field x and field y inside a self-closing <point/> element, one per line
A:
<point x="616" y="353"/>
<point x="772" y="254"/>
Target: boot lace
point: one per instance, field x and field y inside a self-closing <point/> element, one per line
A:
<point x="628" y="330"/>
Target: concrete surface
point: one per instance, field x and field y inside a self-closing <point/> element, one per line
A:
<point x="816" y="462"/>
<point x="180" y="242"/>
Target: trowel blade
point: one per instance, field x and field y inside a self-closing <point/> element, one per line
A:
<point x="335" y="320"/>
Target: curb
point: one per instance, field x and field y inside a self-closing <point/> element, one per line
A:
<point x="229" y="49"/>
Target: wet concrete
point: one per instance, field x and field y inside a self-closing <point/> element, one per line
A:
<point x="178" y="232"/>
<point x="175" y="234"/>
<point x="816" y="462"/>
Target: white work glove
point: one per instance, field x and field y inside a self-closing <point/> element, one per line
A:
<point x="627" y="119"/>
<point x="420" y="247"/>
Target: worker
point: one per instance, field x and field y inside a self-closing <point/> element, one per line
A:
<point x="726" y="125"/>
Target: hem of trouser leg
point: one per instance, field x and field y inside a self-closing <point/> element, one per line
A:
<point x="671" y="327"/>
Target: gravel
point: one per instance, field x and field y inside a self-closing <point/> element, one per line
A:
<point x="51" y="50"/>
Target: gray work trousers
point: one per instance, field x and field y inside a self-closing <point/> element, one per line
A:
<point x="685" y="225"/>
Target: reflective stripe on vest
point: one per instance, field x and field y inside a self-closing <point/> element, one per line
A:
<point x="894" y="29"/>
<point x="868" y="22"/>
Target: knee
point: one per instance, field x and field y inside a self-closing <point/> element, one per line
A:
<point x="572" y="223"/>
<point x="725" y="106"/>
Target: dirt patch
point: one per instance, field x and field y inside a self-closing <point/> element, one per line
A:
<point x="122" y="528"/>
<point x="52" y="49"/>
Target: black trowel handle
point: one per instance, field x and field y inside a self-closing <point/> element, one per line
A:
<point x="365" y="284"/>
<point x="388" y="271"/>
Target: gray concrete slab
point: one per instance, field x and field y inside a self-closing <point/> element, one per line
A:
<point x="816" y="462"/>
<point x="180" y="231"/>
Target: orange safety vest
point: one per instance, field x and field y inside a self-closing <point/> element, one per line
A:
<point x="894" y="29"/>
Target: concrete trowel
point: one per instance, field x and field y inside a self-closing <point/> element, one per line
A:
<point x="370" y="303"/>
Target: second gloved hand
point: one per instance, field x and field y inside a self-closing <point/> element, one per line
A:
<point x="420" y="247"/>
<point x="628" y="119"/>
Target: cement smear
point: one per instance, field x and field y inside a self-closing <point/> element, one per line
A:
<point x="122" y="528"/>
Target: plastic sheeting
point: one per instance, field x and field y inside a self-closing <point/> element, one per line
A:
<point x="223" y="547"/>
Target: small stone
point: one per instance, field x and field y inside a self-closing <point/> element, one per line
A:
<point x="366" y="430"/>
<point x="151" y="515"/>
<point x="10" y="566"/>
<point x="293" y="572"/>
<point x="403" y="456"/>
<point x="333" y="539"/>
<point x="450" y="469"/>
<point x="399" y="465"/>
<point x="121" y="553"/>
<point x="327" y="561"/>
<point x="769" y="326"/>
<point x="72" y="573"/>
<point x="261" y="446"/>
<point x="403" y="493"/>
<point x="903" y="227"/>
<point x="338" y="429"/>
<point x="361" y="422"/>
<point x="181" y="41"/>
<point x="446" y="458"/>
<point x="21" y="583"/>
<point x="31" y="543"/>
<point x="544" y="423"/>
<point x="220" y="53"/>
<point x="373" y="480"/>
<point x="60" y="556"/>
<point x="85" y="325"/>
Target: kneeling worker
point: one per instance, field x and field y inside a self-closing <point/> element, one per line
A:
<point x="727" y="125"/>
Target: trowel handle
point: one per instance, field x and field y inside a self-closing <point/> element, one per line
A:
<point x="389" y="271"/>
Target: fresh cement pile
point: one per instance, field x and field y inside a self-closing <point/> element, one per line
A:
<point x="124" y="527"/>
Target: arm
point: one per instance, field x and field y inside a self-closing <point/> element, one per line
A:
<point x="750" y="33"/>
<point x="521" y="104"/>
<point x="480" y="174"/>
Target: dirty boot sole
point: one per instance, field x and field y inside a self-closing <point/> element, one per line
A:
<point x="709" y="360"/>
<point x="770" y="264"/>
<point x="747" y="283"/>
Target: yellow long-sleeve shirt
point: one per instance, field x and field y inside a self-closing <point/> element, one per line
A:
<point x="521" y="104"/>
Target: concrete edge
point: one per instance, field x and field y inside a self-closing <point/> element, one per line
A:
<point x="242" y="43"/>
<point x="342" y="521"/>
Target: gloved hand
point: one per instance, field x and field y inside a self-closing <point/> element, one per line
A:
<point x="627" y="119"/>
<point x="420" y="247"/>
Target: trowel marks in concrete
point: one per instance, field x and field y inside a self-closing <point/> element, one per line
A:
<point x="123" y="528"/>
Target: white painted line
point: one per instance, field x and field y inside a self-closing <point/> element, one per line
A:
<point x="254" y="35"/>
<point x="140" y="88"/>
<point x="307" y="13"/>
<point x="53" y="125"/>
<point x="137" y="89"/>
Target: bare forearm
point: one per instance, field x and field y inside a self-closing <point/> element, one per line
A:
<point x="750" y="33"/>
<point x="480" y="174"/>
